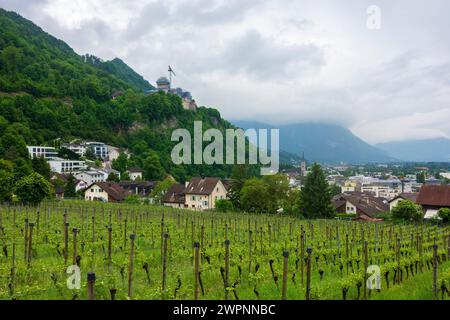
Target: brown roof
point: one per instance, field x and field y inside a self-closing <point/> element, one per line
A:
<point x="175" y="194"/>
<point x="114" y="190"/>
<point x="135" y="169"/>
<point x="364" y="202"/>
<point x="407" y="196"/>
<point x="204" y="186"/>
<point x="432" y="195"/>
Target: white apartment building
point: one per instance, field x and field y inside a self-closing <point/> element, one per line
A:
<point x="100" y="149"/>
<point x="91" y="176"/>
<point x="59" y="165"/>
<point x="79" y="149"/>
<point x="39" y="151"/>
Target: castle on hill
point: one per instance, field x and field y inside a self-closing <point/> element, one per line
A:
<point x="163" y="84"/>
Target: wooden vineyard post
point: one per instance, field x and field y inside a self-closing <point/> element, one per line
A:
<point x="66" y="242"/>
<point x="448" y="249"/>
<point x="93" y="231"/>
<point x="109" y="247"/>
<point x="125" y="233"/>
<point x="164" y="266"/>
<point x="435" y="269"/>
<point x="285" y="274"/>
<point x="30" y="245"/>
<point x="398" y="260"/>
<point x="90" y="287"/>
<point x="227" y="267"/>
<point x="420" y="253"/>
<point x="74" y="231"/>
<point x="308" y="274"/>
<point x="26" y="239"/>
<point x="365" y="269"/>
<point x="249" y="251"/>
<point x="196" y="269"/>
<point x="131" y="266"/>
<point x="346" y="252"/>
<point x="302" y="255"/>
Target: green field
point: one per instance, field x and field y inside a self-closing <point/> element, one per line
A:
<point x="256" y="262"/>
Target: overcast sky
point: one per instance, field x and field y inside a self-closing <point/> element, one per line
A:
<point x="278" y="61"/>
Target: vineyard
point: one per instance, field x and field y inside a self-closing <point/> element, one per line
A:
<point x="143" y="252"/>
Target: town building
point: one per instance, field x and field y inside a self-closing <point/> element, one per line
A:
<point x="401" y="197"/>
<point x="105" y="192"/>
<point x="39" y="151"/>
<point x="143" y="189"/>
<point x="432" y="198"/>
<point x="174" y="196"/>
<point x="363" y="205"/>
<point x="79" y="149"/>
<point x="99" y="148"/>
<point x="202" y="193"/>
<point x="59" y="165"/>
<point x="91" y="176"/>
<point x="135" y="173"/>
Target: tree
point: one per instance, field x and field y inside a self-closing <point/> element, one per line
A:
<point x="291" y="205"/>
<point x="70" y="189"/>
<point x="32" y="189"/>
<point x="6" y="180"/>
<point x="255" y="196"/>
<point x="41" y="166"/>
<point x="444" y="214"/>
<point x="238" y="177"/>
<point x="161" y="188"/>
<point x="224" y="205"/>
<point x="277" y="188"/>
<point x="132" y="199"/>
<point x="12" y="58"/>
<point x="316" y="195"/>
<point x="407" y="210"/>
<point x="121" y="163"/>
<point x="335" y="190"/>
<point x="90" y="154"/>
<point x="153" y="169"/>
<point x="420" y="177"/>
<point x="112" y="177"/>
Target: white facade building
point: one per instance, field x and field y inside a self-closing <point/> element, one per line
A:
<point x="39" y="151"/>
<point x="100" y="149"/>
<point x="59" y="165"/>
<point x="91" y="176"/>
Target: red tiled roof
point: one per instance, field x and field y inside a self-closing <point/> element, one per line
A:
<point x="432" y="195"/>
<point x="407" y="196"/>
<point x="114" y="190"/>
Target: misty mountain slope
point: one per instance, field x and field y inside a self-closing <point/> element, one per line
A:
<point x="429" y="150"/>
<point x="323" y="143"/>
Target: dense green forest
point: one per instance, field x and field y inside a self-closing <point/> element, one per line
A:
<point x="48" y="92"/>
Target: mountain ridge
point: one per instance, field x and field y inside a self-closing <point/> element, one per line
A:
<point x="419" y="150"/>
<point x="322" y="142"/>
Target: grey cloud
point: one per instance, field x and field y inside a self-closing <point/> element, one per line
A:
<point x="265" y="59"/>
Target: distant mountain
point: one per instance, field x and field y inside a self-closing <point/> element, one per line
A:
<point x="325" y="143"/>
<point x="430" y="150"/>
<point x="121" y="70"/>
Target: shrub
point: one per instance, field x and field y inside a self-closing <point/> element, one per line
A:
<point x="444" y="214"/>
<point x="408" y="210"/>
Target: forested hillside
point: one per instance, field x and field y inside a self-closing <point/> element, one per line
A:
<point x="48" y="92"/>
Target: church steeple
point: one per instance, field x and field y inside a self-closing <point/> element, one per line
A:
<point x="303" y="166"/>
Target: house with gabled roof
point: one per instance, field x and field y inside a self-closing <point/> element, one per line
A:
<point x="105" y="192"/>
<point x="174" y="196"/>
<point x="432" y="198"/>
<point x="364" y="206"/>
<point x="202" y="193"/>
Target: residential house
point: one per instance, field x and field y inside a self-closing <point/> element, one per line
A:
<point x="91" y="176"/>
<point x="135" y="173"/>
<point x="432" y="198"/>
<point x="79" y="149"/>
<point x="105" y="192"/>
<point x="39" y="151"/>
<point x="401" y="197"/>
<point x="143" y="189"/>
<point x="100" y="149"/>
<point x="202" y="193"/>
<point x="59" y="165"/>
<point x="364" y="205"/>
<point x="174" y="196"/>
